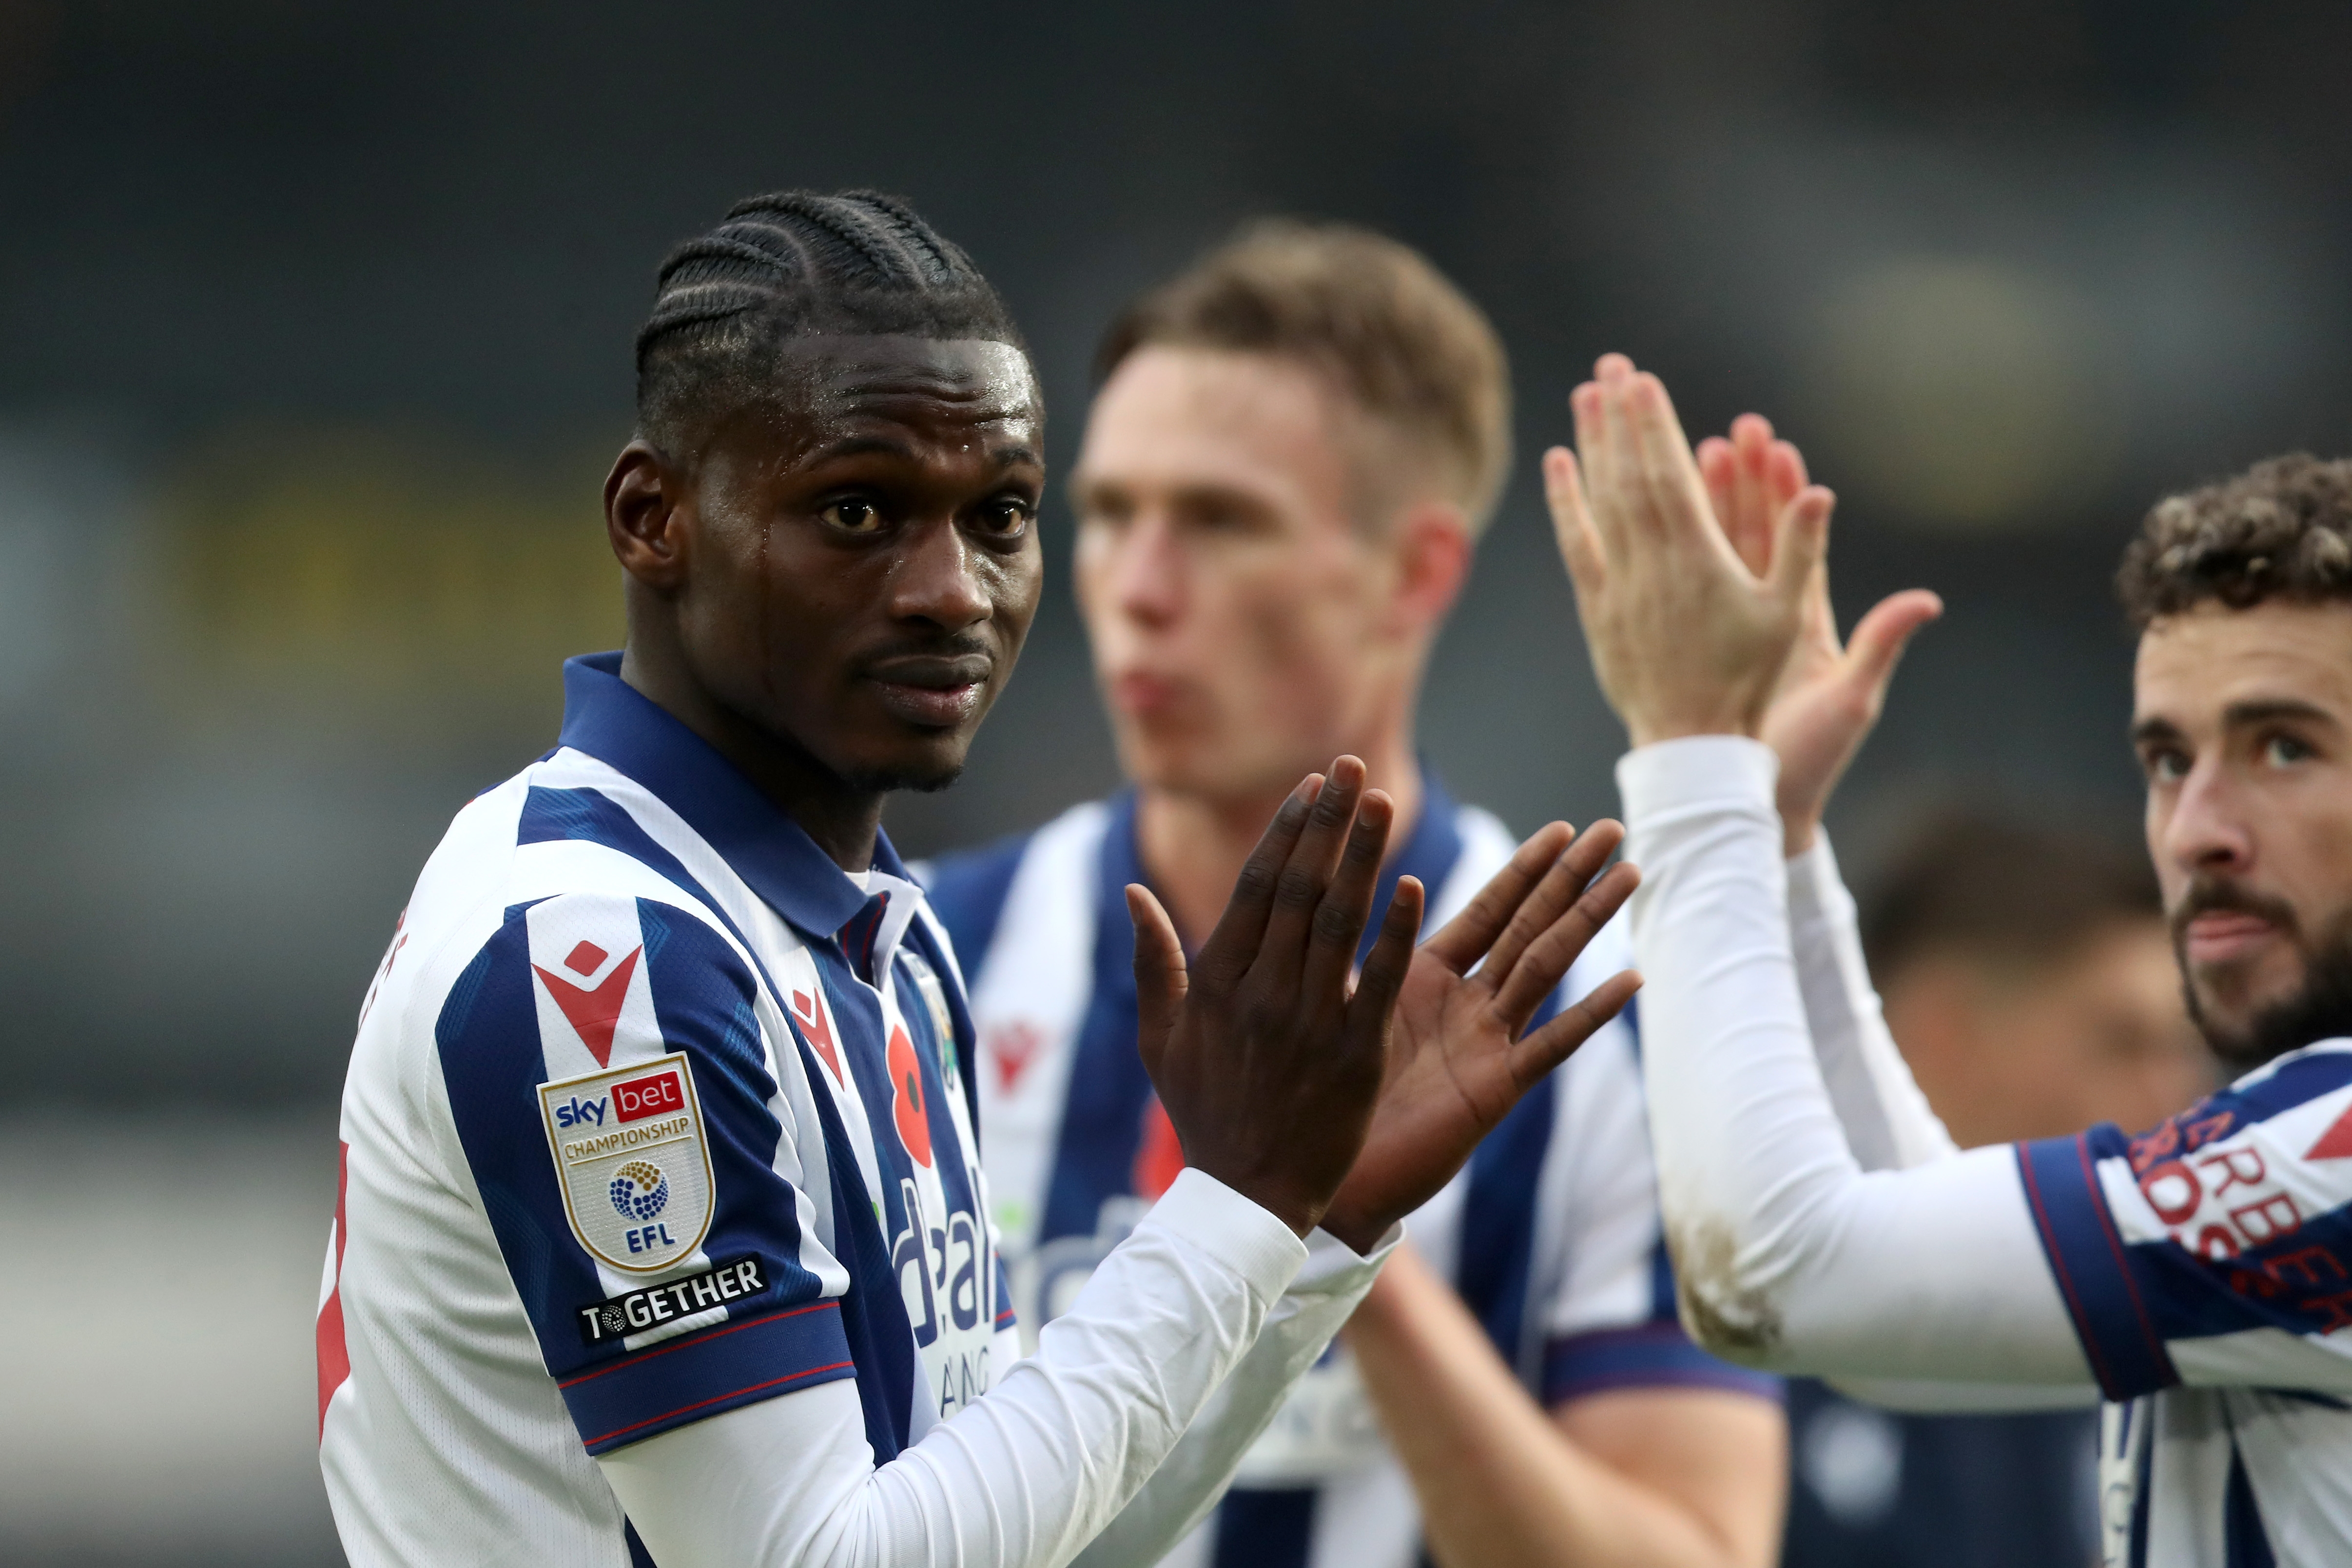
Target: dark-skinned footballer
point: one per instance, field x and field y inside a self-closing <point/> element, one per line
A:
<point x="663" y="1235"/>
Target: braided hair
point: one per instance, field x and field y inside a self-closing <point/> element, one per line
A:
<point x="795" y="264"/>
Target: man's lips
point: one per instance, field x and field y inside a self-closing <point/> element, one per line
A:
<point x="2220" y="935"/>
<point x="933" y="690"/>
<point x="1144" y="695"/>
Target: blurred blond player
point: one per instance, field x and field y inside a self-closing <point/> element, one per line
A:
<point x="1294" y="448"/>
<point x="2197" y="1275"/>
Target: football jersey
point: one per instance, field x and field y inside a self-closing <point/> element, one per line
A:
<point x="654" y="1112"/>
<point x="1550" y="1233"/>
<point x="2208" y="1267"/>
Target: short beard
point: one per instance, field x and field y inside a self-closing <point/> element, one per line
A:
<point x="2320" y="1010"/>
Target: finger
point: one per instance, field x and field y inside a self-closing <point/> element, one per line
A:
<point x="1226" y="955"/>
<point x="1800" y="545"/>
<point x="1784" y="475"/>
<point x="1589" y="403"/>
<point x="1575" y="901"/>
<point x="1386" y="965"/>
<point x="1718" y="465"/>
<point x="1677" y="495"/>
<point x="1465" y="939"/>
<point x="1878" y="641"/>
<point x="1751" y="436"/>
<point x="1298" y="889"/>
<point x="1340" y="919"/>
<point x="1159" y="978"/>
<point x="1627" y="490"/>
<point x="1554" y="1043"/>
<point x="1571" y="522"/>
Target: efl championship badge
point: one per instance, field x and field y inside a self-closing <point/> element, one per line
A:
<point x="632" y="1161"/>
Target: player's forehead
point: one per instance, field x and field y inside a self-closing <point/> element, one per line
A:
<point x="2197" y="669"/>
<point x="832" y="392"/>
<point x="1174" y="418"/>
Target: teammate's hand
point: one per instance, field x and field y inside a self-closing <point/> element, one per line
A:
<point x="1685" y="638"/>
<point x="1266" y="1060"/>
<point x="1458" y="1063"/>
<point x="1829" y="696"/>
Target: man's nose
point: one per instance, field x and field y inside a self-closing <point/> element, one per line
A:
<point x="1148" y="573"/>
<point x="2209" y="830"/>
<point x="937" y="577"/>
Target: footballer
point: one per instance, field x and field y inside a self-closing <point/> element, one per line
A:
<point x="663" y="1235"/>
<point x="2196" y="1276"/>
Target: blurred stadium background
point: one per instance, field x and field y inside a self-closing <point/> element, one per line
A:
<point x="314" y="328"/>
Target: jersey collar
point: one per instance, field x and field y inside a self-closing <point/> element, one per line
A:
<point x="1429" y="854"/>
<point x="619" y="726"/>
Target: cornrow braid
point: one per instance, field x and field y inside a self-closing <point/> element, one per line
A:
<point x="795" y="264"/>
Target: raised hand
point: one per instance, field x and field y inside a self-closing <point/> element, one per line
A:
<point x="1686" y="639"/>
<point x="1458" y="1063"/>
<point x="1829" y="696"/>
<point x="1266" y="1058"/>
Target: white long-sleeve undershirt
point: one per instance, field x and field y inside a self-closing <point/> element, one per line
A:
<point x="1888" y="1122"/>
<point x="1095" y="1435"/>
<point x="1790" y="1254"/>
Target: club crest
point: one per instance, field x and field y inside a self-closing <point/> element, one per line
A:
<point x="631" y="1158"/>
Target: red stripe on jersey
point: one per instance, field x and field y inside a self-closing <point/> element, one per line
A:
<point x="334" y="1356"/>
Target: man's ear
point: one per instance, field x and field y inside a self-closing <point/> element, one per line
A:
<point x="646" y="500"/>
<point x="1433" y="550"/>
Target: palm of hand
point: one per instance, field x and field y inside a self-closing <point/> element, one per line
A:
<point x="1452" y="1078"/>
<point x="1457" y="1063"/>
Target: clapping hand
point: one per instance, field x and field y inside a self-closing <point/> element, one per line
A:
<point x="1702" y="584"/>
<point x="1462" y="1055"/>
<point x="1829" y="694"/>
<point x="1267" y="1057"/>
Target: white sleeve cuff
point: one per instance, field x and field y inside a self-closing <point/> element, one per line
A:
<point x="1697" y="773"/>
<point x="1248" y="1239"/>
<point x="1334" y="1267"/>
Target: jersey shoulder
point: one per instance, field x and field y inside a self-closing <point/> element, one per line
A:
<point x="969" y="890"/>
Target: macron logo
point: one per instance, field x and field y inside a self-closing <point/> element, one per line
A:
<point x="593" y="1011"/>
<point x="810" y="1012"/>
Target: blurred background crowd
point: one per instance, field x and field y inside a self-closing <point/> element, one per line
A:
<point x="314" y="344"/>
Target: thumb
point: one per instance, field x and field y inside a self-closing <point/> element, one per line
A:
<point x="1160" y="979"/>
<point x="1799" y="541"/>
<point x="1878" y="641"/>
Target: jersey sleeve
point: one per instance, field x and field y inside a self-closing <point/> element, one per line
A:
<point x="1609" y="1321"/>
<point x="2215" y="1249"/>
<point x="617" y="1103"/>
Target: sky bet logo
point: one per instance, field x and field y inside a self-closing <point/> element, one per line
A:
<point x="629" y="1152"/>
<point x="657" y="1095"/>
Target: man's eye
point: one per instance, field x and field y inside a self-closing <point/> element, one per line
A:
<point x="2168" y="767"/>
<point x="2283" y="750"/>
<point x="1005" y="519"/>
<point x="853" y="517"/>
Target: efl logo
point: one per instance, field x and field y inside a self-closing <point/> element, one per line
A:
<point x="657" y="1095"/>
